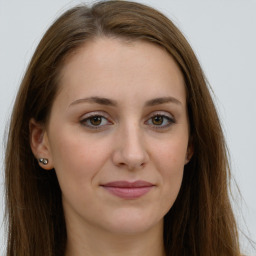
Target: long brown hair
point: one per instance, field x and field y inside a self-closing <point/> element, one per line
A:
<point x="200" y="222"/>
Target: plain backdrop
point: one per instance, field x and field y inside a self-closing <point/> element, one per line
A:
<point x="223" y="36"/>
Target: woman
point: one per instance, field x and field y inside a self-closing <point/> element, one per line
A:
<point x="115" y="146"/>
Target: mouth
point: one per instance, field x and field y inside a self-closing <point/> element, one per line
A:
<point x="128" y="190"/>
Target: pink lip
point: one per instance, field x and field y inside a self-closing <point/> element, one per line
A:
<point x="128" y="190"/>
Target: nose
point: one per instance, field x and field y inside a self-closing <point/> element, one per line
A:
<point x="130" y="150"/>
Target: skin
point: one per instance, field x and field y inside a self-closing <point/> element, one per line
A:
<point x="126" y="142"/>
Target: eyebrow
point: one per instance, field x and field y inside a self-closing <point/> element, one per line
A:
<point x="98" y="100"/>
<point x="162" y="100"/>
<point x="109" y="102"/>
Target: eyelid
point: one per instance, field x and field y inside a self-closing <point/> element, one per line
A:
<point x="94" y="113"/>
<point x="162" y="113"/>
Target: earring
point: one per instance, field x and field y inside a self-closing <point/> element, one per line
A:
<point x="43" y="161"/>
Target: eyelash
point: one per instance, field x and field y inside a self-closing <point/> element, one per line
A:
<point x="91" y="126"/>
<point x="170" y="121"/>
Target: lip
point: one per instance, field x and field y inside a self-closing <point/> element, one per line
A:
<point x="128" y="190"/>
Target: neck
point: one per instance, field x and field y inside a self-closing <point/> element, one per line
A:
<point x="91" y="241"/>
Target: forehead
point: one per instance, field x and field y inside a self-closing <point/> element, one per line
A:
<point x="118" y="68"/>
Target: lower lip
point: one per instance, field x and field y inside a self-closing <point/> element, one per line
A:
<point x="128" y="193"/>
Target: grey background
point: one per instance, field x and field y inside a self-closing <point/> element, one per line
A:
<point x="223" y="35"/>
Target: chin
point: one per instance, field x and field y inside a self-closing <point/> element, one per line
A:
<point x="133" y="222"/>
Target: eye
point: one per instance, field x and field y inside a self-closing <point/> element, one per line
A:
<point x="95" y="121"/>
<point x="159" y="121"/>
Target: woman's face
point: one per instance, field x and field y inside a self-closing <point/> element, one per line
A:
<point x="118" y="135"/>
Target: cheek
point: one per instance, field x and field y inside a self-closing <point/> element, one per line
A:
<point x="170" y="164"/>
<point x="76" y="161"/>
<point x="171" y="156"/>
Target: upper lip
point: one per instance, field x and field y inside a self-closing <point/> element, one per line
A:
<point x="128" y="184"/>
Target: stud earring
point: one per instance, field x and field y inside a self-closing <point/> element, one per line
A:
<point x="43" y="161"/>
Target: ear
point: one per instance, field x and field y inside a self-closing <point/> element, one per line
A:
<point x="190" y="151"/>
<point x="39" y="144"/>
